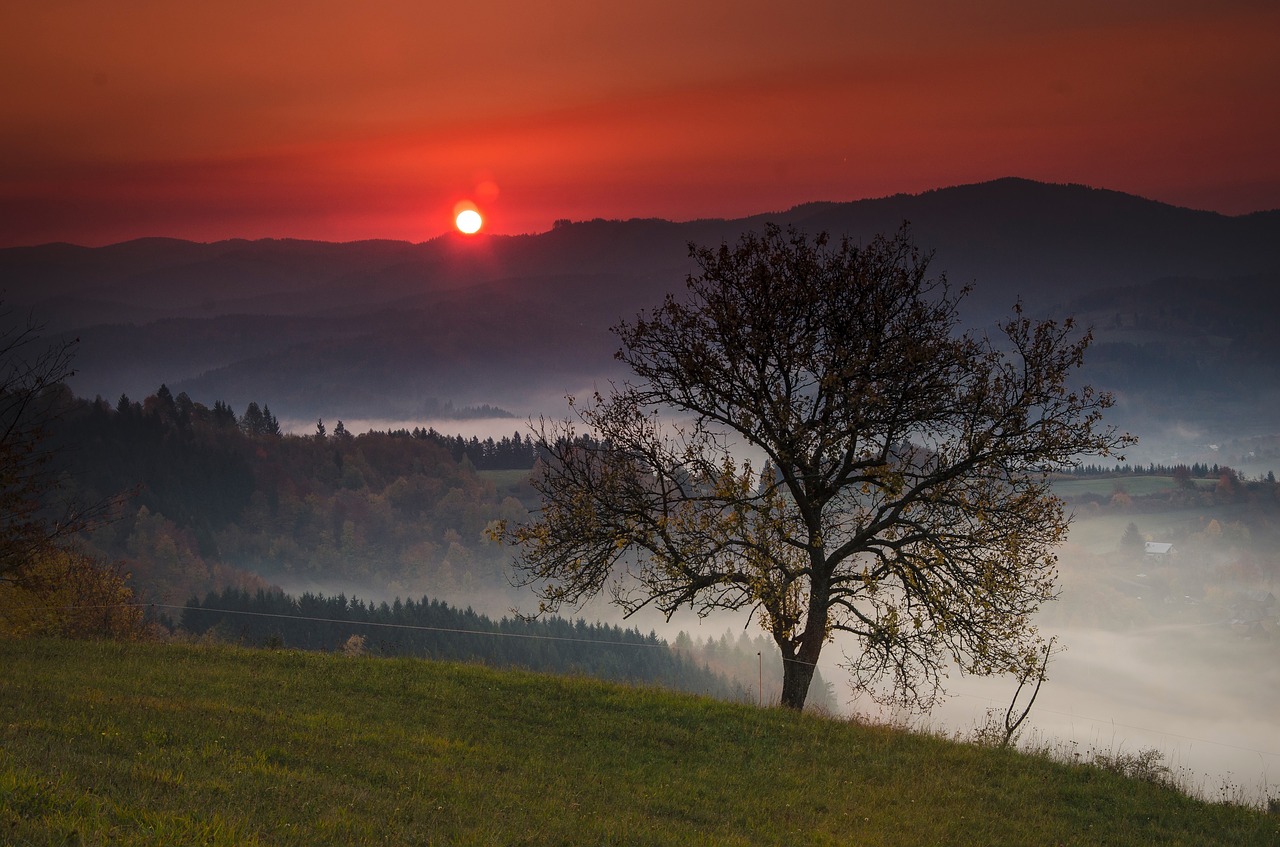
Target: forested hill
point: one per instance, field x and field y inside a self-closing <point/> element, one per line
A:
<point x="214" y="498"/>
<point x="431" y="629"/>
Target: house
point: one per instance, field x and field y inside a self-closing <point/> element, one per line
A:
<point x="1157" y="551"/>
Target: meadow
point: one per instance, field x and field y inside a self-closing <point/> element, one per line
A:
<point x="149" y="744"/>
<point x="1135" y="485"/>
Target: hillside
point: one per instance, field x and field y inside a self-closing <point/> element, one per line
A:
<point x="382" y="329"/>
<point x="169" y="744"/>
<point x="208" y="502"/>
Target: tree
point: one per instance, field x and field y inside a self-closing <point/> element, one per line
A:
<point x="224" y="417"/>
<point x="1133" y="541"/>
<point x="270" y="426"/>
<point x="259" y="421"/>
<point x="30" y="373"/>
<point x="60" y="592"/>
<point x="904" y="498"/>
<point x="251" y="423"/>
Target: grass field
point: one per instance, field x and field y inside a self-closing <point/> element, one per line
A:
<point x="1136" y="485"/>
<point x="116" y="744"/>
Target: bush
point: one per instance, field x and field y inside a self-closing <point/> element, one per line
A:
<point x="58" y="592"/>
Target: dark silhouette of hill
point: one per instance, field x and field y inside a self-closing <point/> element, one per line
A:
<point x="383" y="328"/>
<point x="1192" y="361"/>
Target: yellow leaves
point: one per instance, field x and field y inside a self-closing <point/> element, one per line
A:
<point x="496" y="531"/>
<point x="64" y="593"/>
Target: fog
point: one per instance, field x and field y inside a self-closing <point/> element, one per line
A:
<point x="1208" y="708"/>
<point x="1199" y="691"/>
<point x="481" y="428"/>
<point x="537" y="400"/>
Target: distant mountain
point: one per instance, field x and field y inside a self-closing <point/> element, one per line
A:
<point x="1194" y="364"/>
<point x="392" y="329"/>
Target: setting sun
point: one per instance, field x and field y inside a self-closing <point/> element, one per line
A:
<point x="469" y="221"/>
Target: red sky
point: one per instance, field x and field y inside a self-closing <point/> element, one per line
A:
<point x="341" y="121"/>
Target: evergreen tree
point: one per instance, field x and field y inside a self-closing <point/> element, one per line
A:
<point x="251" y="423"/>
<point x="224" y="416"/>
<point x="1132" y="541"/>
<point x="270" y="426"/>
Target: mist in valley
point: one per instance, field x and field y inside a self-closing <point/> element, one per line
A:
<point x="1201" y="693"/>
<point x="481" y="428"/>
<point x="1140" y="667"/>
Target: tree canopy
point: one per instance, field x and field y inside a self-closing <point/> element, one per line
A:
<point x="840" y="458"/>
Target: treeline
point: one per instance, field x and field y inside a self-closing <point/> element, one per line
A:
<point x="514" y="452"/>
<point x="1226" y="479"/>
<point x="432" y="629"/>
<point x="508" y="453"/>
<point x="1197" y="470"/>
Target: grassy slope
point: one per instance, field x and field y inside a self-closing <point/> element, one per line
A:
<point x="1136" y="485"/>
<point x="118" y="744"/>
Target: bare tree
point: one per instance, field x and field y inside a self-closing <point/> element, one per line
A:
<point x="904" y="493"/>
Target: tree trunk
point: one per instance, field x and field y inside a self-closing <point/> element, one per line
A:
<point x="798" y="666"/>
<point x="796" y="676"/>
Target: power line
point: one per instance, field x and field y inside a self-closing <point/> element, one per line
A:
<point x="381" y="624"/>
<point x="402" y="626"/>
<point x="350" y="622"/>
<point x="602" y="642"/>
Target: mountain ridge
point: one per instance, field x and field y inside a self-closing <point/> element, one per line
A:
<point x="379" y="328"/>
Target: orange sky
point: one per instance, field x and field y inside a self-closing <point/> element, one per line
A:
<point x="343" y="121"/>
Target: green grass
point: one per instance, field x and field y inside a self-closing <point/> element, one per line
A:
<point x="1136" y="485"/>
<point x="105" y="743"/>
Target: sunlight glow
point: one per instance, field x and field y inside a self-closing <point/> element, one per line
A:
<point x="469" y="221"/>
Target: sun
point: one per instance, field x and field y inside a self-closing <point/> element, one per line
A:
<point x="469" y="221"/>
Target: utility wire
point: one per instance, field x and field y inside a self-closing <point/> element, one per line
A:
<point x="662" y="644"/>
<point x="350" y="622"/>
<point x="400" y="625"/>
<point x="413" y="627"/>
